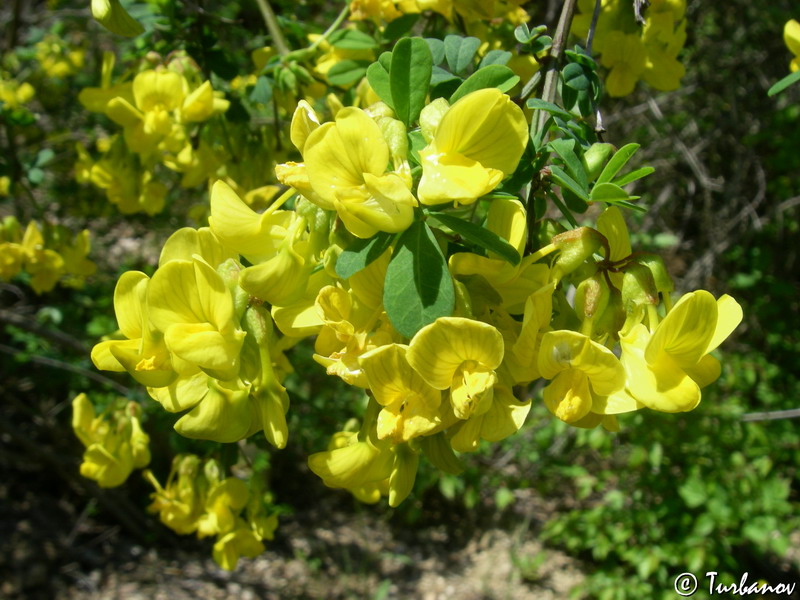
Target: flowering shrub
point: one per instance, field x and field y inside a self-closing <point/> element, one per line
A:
<point x="439" y="216"/>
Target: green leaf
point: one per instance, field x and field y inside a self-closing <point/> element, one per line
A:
<point x="522" y="33"/>
<point x="418" y="287"/>
<point x="460" y="51"/>
<point x="566" y="151"/>
<point x="493" y="76"/>
<point x="361" y="253"/>
<point x="608" y="192"/>
<point x="437" y="49"/>
<point x="378" y="78"/>
<point x="45" y="156"/>
<point x="439" y="75"/>
<point x="564" y="210"/>
<point x="352" y="39"/>
<point x="347" y="71"/>
<point x="262" y="91"/>
<point x="575" y="78"/>
<point x="538" y="104"/>
<point x="495" y="57"/>
<point x="784" y="83"/>
<point x="540" y="44"/>
<point x="35" y="175"/>
<point x="409" y="77"/>
<point x="579" y="56"/>
<point x="480" y="236"/>
<point x="620" y="158"/>
<point x="558" y="175"/>
<point x="400" y="26"/>
<point x="634" y="175"/>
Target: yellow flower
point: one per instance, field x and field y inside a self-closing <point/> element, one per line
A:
<point x="255" y="236"/>
<point x="156" y="95"/>
<point x="346" y="163"/>
<point x="111" y="15"/>
<point x="180" y="502"/>
<point x="14" y="94"/>
<point x="143" y="353"/>
<point x="580" y="369"/>
<point x="232" y="546"/>
<point x="663" y="40"/>
<point x="479" y="141"/>
<point x="348" y="333"/>
<point x="504" y="418"/>
<point x="189" y="303"/>
<point x="377" y="10"/>
<point x="666" y="367"/>
<point x="461" y="355"/>
<point x="351" y="462"/>
<point x="96" y="99"/>
<point x="11" y="257"/>
<point x="224" y="501"/>
<point x="513" y="283"/>
<point x="410" y="405"/>
<point x="791" y="35"/>
<point x="114" y="445"/>
<point x="625" y="55"/>
<point x="126" y="184"/>
<point x="44" y="265"/>
<point x="56" y="59"/>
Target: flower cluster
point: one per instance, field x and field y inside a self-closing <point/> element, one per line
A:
<point x="196" y="498"/>
<point x="632" y="50"/>
<point x="471" y="12"/>
<point x="199" y="333"/>
<point x="114" y="441"/>
<point x="160" y="112"/>
<point x="57" y="58"/>
<point x="49" y="254"/>
<point x="14" y="93"/>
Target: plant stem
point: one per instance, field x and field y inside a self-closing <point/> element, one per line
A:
<point x="334" y="26"/>
<point x="272" y="25"/>
<point x="599" y="129"/>
<point x="554" y="62"/>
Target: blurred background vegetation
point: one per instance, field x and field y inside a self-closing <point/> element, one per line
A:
<point x="708" y="490"/>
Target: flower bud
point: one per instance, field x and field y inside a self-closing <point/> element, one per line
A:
<point x="594" y="159"/>
<point x="638" y="287"/>
<point x="304" y="121"/>
<point x="658" y="269"/>
<point x="575" y="247"/>
<point x="404" y="472"/>
<point x="591" y="297"/>
<point x="431" y="116"/>
<point x="111" y="15"/>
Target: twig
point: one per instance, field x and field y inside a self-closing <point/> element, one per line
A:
<point x="556" y="51"/>
<point x="113" y="501"/>
<point x="772" y="415"/>
<point x="54" y="335"/>
<point x="593" y="26"/>
<point x="272" y="25"/>
<point x="57" y="364"/>
<point x="333" y="27"/>
<point x="599" y="129"/>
